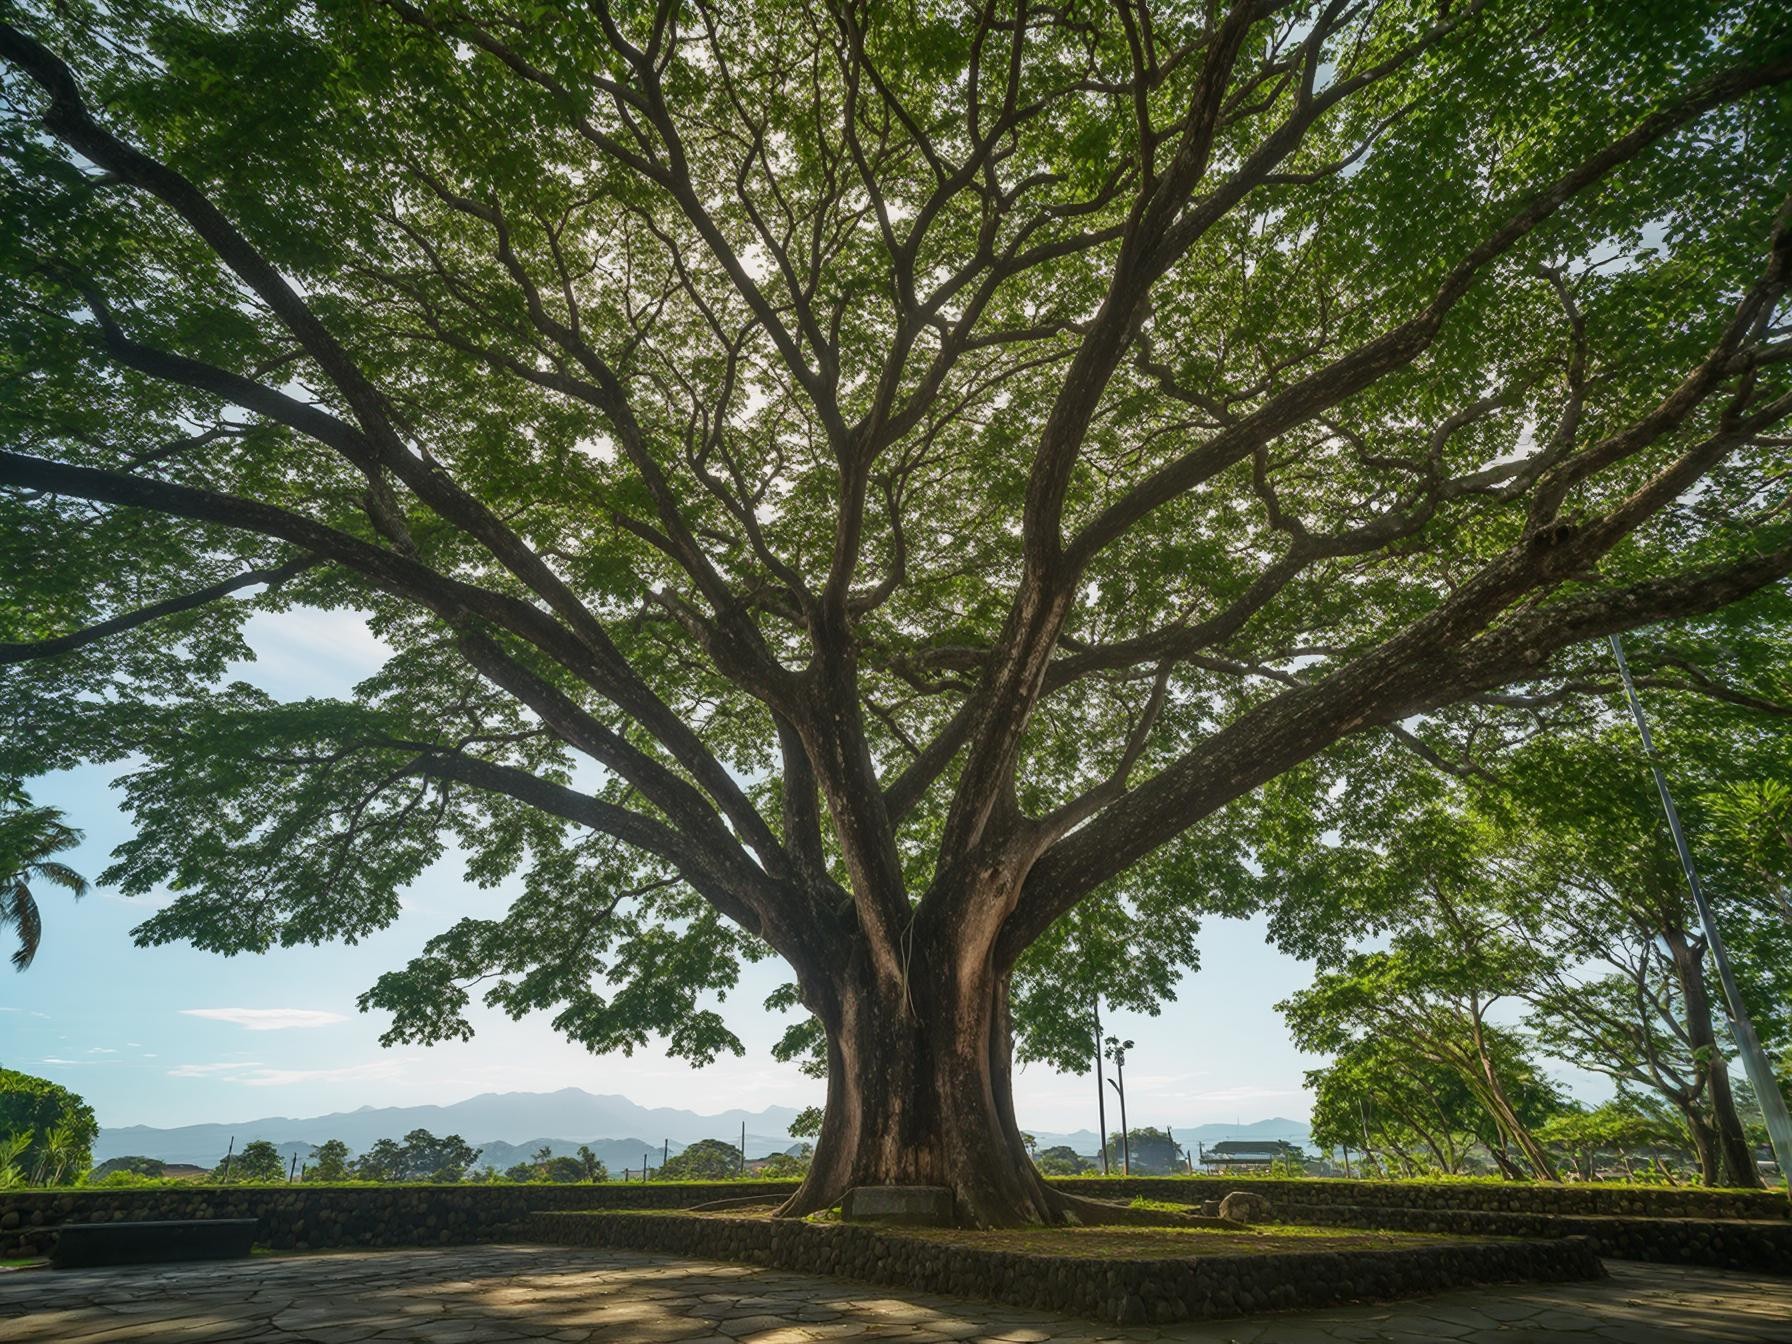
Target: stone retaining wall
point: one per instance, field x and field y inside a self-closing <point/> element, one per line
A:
<point x="1129" y="1292"/>
<point x="1577" y="1199"/>
<point x="310" y="1217"/>
<point x="1763" y="1245"/>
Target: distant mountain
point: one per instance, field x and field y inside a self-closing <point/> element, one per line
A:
<point x="618" y="1155"/>
<point x="572" y="1115"/>
<point x="618" y="1130"/>
<point x="1085" y="1141"/>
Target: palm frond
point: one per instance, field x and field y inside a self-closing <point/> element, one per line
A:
<point x="19" y="908"/>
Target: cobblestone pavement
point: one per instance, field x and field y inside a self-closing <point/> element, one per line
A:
<point x="504" y="1293"/>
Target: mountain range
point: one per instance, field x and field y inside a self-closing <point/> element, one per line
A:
<point x="617" y="1129"/>
<point x="500" y="1122"/>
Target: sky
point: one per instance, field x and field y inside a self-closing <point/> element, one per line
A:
<point x="171" y="1035"/>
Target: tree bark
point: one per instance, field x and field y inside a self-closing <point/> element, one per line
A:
<point x="1735" y="1164"/>
<point x="920" y="1093"/>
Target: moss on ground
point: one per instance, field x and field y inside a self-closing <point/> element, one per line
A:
<point x="1127" y="1243"/>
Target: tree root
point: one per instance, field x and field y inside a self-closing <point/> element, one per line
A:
<point x="1086" y="1212"/>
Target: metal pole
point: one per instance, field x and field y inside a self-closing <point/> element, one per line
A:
<point x="1101" y="1092"/>
<point x="1754" y="1058"/>
<point x="743" y="1147"/>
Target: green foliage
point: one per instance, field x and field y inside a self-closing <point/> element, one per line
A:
<point x="1062" y="1160"/>
<point x="1153" y="1152"/>
<point x="329" y="1162"/>
<point x="51" y="1128"/>
<point x="807" y="1124"/>
<point x="783" y="1167"/>
<point x="136" y="1166"/>
<point x="259" y="1163"/>
<point x="710" y="414"/>
<point x="30" y="838"/>
<point x="704" y="1160"/>
<point x="420" y="1157"/>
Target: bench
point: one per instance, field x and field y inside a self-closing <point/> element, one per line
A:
<point x="80" y="1245"/>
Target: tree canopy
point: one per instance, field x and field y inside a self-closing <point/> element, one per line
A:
<point x="850" y="482"/>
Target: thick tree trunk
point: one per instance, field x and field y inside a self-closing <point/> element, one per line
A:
<point x="919" y="1093"/>
<point x="1735" y="1159"/>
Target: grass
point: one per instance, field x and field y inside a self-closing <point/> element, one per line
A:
<point x="1173" y="1243"/>
<point x="1128" y="1243"/>
<point x="22" y="1262"/>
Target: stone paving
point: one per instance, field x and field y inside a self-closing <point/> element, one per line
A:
<point x="496" y="1294"/>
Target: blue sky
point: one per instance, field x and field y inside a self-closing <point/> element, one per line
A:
<point x="171" y="1035"/>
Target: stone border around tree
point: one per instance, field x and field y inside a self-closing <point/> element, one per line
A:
<point x="1128" y="1292"/>
<point x="317" y="1217"/>
<point x="1573" y="1199"/>
<point x="1763" y="1245"/>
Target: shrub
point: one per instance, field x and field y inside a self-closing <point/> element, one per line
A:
<point x="58" y="1129"/>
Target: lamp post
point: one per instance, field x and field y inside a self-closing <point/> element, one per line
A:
<point x="1101" y="1093"/>
<point x="1118" y="1049"/>
<point x="1754" y="1058"/>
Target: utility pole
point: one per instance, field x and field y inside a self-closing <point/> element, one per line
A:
<point x="1754" y="1058"/>
<point x="743" y="1147"/>
<point x="1101" y="1094"/>
<point x="228" y="1154"/>
<point x="292" y="1171"/>
<point x="645" y="1159"/>
<point x="665" y="1153"/>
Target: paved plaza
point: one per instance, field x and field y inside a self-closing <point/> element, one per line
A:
<point x="504" y="1293"/>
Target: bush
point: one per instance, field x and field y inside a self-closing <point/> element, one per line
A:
<point x="52" y="1128"/>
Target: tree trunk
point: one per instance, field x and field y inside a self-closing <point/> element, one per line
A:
<point x="1704" y="1145"/>
<point x="919" y="1093"/>
<point x="1735" y="1159"/>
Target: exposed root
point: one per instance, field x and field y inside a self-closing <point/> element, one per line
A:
<point x="1086" y="1212"/>
<point x="739" y="1202"/>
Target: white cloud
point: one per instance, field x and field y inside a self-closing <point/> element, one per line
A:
<point x="102" y="1050"/>
<point x="252" y="1074"/>
<point x="378" y="1068"/>
<point x="268" y="1019"/>
<point x="201" y="1070"/>
<point x="51" y="1059"/>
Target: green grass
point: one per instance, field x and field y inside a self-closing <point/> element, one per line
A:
<point x="22" y="1262"/>
<point x="1479" y="1182"/>
<point x="1174" y="1243"/>
<point x="1120" y="1242"/>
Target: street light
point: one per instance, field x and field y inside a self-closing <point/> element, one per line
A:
<point x="1117" y="1052"/>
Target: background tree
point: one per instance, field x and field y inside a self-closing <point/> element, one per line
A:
<point x="136" y="1166"/>
<point x="30" y="838"/>
<point x="383" y="1161"/>
<point x="849" y="483"/>
<point x="1062" y="1160"/>
<point x="704" y="1160"/>
<point x="591" y="1167"/>
<point x="1619" y="1127"/>
<point x="424" y="1157"/>
<point x="58" y="1128"/>
<point x="1153" y="1152"/>
<point x="330" y="1162"/>
<point x="1404" y="1112"/>
<point x="258" y="1162"/>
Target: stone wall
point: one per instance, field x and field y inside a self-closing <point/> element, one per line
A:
<point x="1761" y="1244"/>
<point x="1125" y="1291"/>
<point x="310" y="1217"/>
<point x="1591" y="1198"/>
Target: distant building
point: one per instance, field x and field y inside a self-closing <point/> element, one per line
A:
<point x="1248" y="1154"/>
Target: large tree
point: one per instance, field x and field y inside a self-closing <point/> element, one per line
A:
<point x="852" y="480"/>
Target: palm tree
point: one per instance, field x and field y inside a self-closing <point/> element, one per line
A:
<point x="29" y="837"/>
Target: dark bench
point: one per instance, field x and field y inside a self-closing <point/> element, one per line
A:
<point x="79" y="1245"/>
